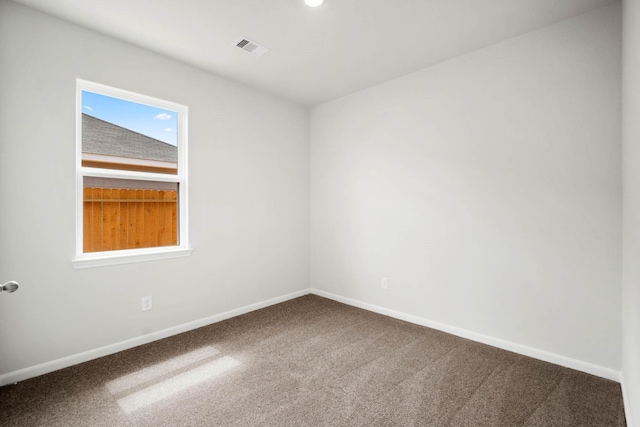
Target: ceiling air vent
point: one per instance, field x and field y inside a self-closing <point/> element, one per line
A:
<point x="251" y="47"/>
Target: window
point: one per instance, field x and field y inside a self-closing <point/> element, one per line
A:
<point x="131" y="170"/>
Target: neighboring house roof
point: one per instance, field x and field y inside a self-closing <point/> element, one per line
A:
<point x="104" y="138"/>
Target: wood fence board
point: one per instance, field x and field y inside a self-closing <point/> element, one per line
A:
<point x="87" y="217"/>
<point x="174" y="218"/>
<point x="140" y="240"/>
<point x="155" y="212"/>
<point x="106" y="218"/>
<point x="131" y="219"/>
<point x="123" y="218"/>
<point x="96" y="212"/>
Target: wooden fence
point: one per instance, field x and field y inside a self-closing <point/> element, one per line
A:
<point x="117" y="218"/>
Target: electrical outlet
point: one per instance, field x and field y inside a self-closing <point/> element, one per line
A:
<point x="147" y="303"/>
<point x="384" y="283"/>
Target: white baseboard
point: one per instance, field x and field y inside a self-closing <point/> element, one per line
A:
<point x="546" y="356"/>
<point x="54" y="365"/>
<point x="626" y="401"/>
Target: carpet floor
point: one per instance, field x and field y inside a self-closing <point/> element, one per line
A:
<point x="313" y="362"/>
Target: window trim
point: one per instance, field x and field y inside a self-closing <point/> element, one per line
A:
<point x="115" y="257"/>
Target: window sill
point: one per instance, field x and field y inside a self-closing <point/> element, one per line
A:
<point x="101" y="259"/>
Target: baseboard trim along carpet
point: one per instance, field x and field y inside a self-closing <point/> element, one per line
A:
<point x="567" y="362"/>
<point x="65" y="362"/>
<point x="626" y="401"/>
<point x="313" y="361"/>
<point x="54" y="365"/>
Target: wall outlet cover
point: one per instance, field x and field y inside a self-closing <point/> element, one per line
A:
<point x="147" y="303"/>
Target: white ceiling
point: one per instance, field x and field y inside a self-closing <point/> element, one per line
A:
<point x="316" y="54"/>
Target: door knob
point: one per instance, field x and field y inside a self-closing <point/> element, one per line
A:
<point x="9" y="287"/>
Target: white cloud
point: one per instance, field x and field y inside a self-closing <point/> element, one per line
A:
<point x="168" y="130"/>
<point x="86" y="107"/>
<point x="163" y="116"/>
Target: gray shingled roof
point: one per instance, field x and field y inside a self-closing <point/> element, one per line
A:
<point x="100" y="137"/>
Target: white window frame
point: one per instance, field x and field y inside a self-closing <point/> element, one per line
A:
<point x="97" y="259"/>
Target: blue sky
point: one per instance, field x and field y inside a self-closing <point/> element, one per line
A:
<point x="151" y="121"/>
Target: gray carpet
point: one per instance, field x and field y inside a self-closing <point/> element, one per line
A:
<point x="313" y="362"/>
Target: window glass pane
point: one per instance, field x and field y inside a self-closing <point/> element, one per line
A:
<point x="127" y="214"/>
<point x="126" y="135"/>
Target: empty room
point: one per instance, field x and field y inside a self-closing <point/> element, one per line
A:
<point x="322" y="213"/>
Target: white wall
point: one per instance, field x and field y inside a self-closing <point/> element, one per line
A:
<point x="249" y="194"/>
<point x="486" y="188"/>
<point x="631" y="211"/>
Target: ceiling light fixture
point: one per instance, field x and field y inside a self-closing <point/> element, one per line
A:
<point x="313" y="3"/>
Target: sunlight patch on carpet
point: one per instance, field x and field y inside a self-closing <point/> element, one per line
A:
<point x="148" y="374"/>
<point x="175" y="385"/>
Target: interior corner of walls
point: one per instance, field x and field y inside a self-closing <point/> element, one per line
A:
<point x="626" y="400"/>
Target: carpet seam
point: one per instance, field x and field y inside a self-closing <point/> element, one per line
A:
<point x="545" y="399"/>
<point x="484" y="380"/>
